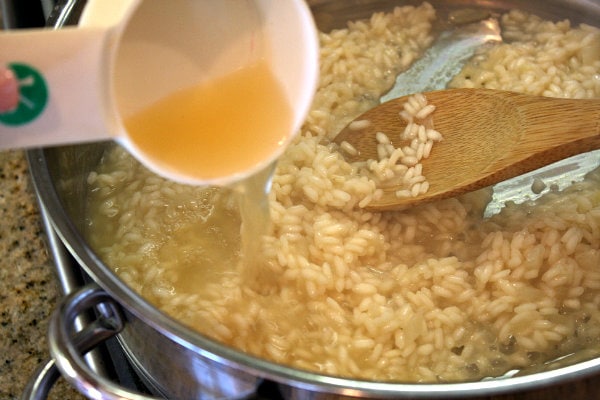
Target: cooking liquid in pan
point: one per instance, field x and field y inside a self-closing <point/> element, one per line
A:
<point x="220" y="128"/>
<point x="212" y="130"/>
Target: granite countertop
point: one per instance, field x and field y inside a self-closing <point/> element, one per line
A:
<point x="29" y="292"/>
<point x="28" y="288"/>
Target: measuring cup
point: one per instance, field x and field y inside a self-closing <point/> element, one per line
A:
<point x="83" y="83"/>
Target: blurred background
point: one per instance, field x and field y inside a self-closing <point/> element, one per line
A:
<point x="25" y="13"/>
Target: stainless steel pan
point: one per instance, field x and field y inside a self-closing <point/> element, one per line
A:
<point x="177" y="362"/>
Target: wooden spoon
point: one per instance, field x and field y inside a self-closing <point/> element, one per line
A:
<point x="488" y="136"/>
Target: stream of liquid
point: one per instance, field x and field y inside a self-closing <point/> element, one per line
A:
<point x="220" y="128"/>
<point x="253" y="202"/>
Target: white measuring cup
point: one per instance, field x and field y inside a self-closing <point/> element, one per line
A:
<point x="82" y="83"/>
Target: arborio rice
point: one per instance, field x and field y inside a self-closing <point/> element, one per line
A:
<point x="436" y="293"/>
<point x="399" y="166"/>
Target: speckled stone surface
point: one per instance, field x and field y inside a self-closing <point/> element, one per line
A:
<point x="28" y="288"/>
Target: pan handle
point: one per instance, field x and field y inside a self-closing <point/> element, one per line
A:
<point x="68" y="346"/>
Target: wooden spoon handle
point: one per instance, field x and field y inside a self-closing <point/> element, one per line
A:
<point x="551" y="129"/>
<point x="489" y="136"/>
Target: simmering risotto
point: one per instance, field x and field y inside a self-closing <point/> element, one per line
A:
<point x="436" y="293"/>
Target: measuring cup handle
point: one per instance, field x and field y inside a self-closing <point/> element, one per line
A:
<point x="62" y="84"/>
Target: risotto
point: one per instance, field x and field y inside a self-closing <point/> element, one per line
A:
<point x="437" y="293"/>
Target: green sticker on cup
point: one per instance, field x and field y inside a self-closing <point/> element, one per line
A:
<point x="33" y="96"/>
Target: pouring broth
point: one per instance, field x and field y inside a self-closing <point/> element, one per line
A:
<point x="437" y="293"/>
<point x="209" y="131"/>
